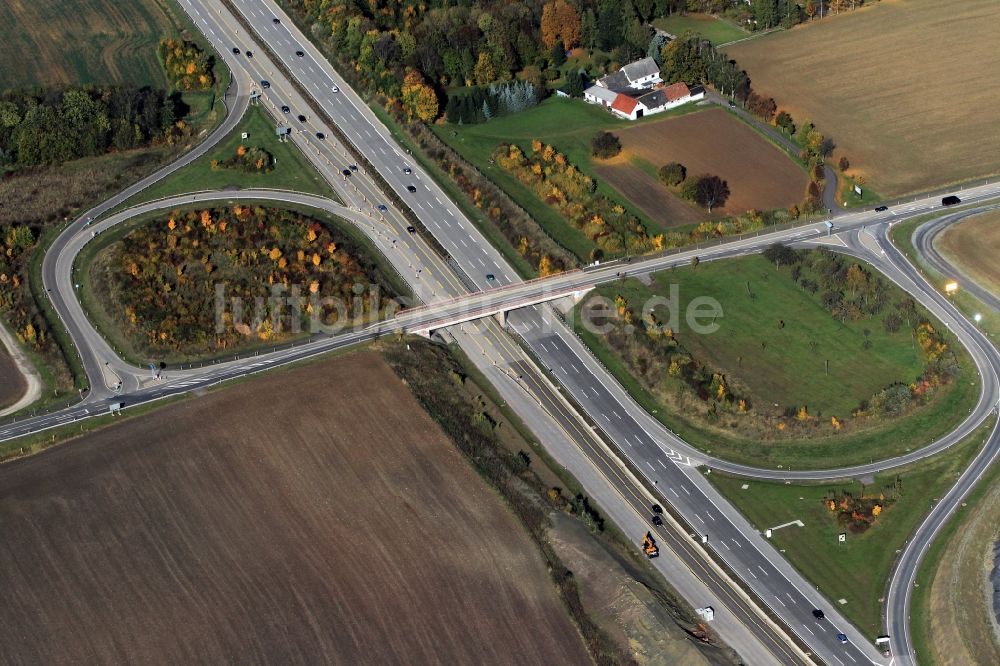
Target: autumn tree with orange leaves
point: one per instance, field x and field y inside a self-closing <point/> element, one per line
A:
<point x="560" y="23"/>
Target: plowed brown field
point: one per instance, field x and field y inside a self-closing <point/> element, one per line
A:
<point x="12" y="384"/>
<point x="759" y="175"/>
<point x="314" y="516"/>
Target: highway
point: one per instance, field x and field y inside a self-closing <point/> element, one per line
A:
<point x="665" y="462"/>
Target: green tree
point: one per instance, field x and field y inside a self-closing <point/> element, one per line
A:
<point x="672" y="174"/>
<point x="605" y="145"/>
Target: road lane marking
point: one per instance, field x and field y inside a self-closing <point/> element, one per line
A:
<point x="780" y="601"/>
<point x="808" y="629"/>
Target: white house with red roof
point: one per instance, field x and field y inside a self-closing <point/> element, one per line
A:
<point x="657" y="100"/>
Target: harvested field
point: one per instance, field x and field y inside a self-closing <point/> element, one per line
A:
<point x="973" y="245"/>
<point x="313" y="516"/>
<point x="908" y="106"/>
<point x="759" y="175"/>
<point x="648" y="194"/>
<point x="59" y="42"/>
<point x="12" y="384"/>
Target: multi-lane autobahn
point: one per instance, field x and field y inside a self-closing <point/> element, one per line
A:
<point x="652" y="452"/>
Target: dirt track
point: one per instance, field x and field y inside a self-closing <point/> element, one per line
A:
<point x="313" y="516"/>
<point x="759" y="175"/>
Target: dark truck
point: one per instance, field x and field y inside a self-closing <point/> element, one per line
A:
<point x="950" y="200"/>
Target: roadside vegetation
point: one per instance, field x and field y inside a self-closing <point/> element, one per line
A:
<point x="817" y="362"/>
<point x="155" y="288"/>
<point x="284" y="167"/>
<point x="102" y="123"/>
<point x="952" y="605"/>
<point x="539" y="493"/>
<point x="970" y="306"/>
<point x="857" y="570"/>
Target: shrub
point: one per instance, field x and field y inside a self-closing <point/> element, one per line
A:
<point x="605" y="145"/>
<point x="672" y="174"/>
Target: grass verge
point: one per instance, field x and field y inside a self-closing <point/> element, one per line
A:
<point x="857" y="570"/>
<point x="291" y="170"/>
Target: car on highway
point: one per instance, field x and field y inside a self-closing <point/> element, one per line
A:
<point x="842" y="638"/>
<point x="302" y="118"/>
<point x="657" y="520"/>
<point x="383" y="207"/>
<point x="657" y="508"/>
<point x="818" y="614"/>
<point x="300" y="54"/>
<point x="249" y="54"/>
<point x="411" y="229"/>
<point x="950" y="200"/>
<point x="236" y="51"/>
<point x="285" y="109"/>
<point x="881" y="209"/>
<point x="411" y="188"/>
<point x="490" y="277"/>
<point x="407" y="170"/>
<point x="275" y="21"/>
<point x="354" y="167"/>
<point x="335" y="89"/>
<point x="346" y="172"/>
<point x="320" y="136"/>
<point x="265" y="83"/>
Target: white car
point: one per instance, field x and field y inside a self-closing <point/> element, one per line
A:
<point x="335" y="89"/>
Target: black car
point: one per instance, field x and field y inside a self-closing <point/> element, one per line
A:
<point x="818" y="614"/>
<point x="407" y="170"/>
<point x="265" y="84"/>
<point x="950" y="200"/>
<point x="299" y="54"/>
<point x="411" y="230"/>
<point x="411" y="188"/>
<point x="236" y="51"/>
<point x="354" y="167"/>
<point x="275" y="21"/>
<point x="346" y="172"/>
<point x="732" y="104"/>
<point x="249" y="54"/>
<point x="881" y="209"/>
<point x="302" y="119"/>
<point x="657" y="520"/>
<point x="657" y="508"/>
<point x="285" y="109"/>
<point x="383" y="207"/>
<point x="320" y="136"/>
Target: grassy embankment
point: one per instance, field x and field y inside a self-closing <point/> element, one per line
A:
<point x="786" y="366"/>
<point x="291" y="169"/>
<point x="857" y="570"/>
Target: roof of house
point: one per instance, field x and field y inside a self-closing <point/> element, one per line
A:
<point x="653" y="99"/>
<point x="676" y="91"/>
<point x="615" y="81"/>
<point x="640" y="68"/>
<point x="624" y="104"/>
<point x="601" y="93"/>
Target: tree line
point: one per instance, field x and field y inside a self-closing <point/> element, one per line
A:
<point x="58" y="125"/>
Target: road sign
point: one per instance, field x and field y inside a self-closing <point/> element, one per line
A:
<point x="857" y="190"/>
<point x="842" y="537"/>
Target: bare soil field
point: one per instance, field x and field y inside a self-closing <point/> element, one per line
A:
<point x="974" y="245"/>
<point x="890" y="84"/>
<point x="317" y="515"/>
<point x="59" y="42"/>
<point x="12" y="384"/>
<point x="958" y="610"/>
<point x="759" y="175"/>
<point x="647" y="194"/>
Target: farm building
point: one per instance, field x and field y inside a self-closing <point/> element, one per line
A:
<point x="599" y="95"/>
<point x="635" y="76"/>
<point x="654" y="101"/>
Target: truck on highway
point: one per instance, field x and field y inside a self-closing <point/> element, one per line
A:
<point x="649" y="546"/>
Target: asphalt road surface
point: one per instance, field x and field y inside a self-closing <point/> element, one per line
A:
<point x="664" y="461"/>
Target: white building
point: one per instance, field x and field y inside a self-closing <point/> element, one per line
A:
<point x="599" y="95"/>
